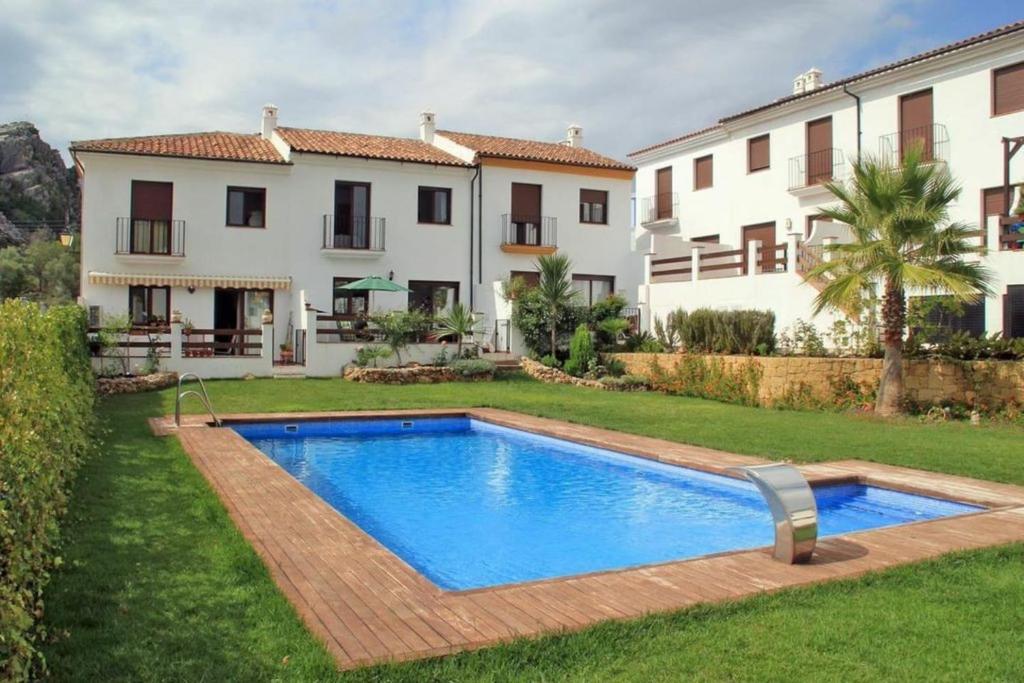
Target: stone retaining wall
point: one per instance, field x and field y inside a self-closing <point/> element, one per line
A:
<point x="107" y="386"/>
<point x="988" y="384"/>
<point x="543" y="373"/>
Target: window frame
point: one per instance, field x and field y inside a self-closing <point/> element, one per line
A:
<point x="590" y="279"/>
<point x="711" y="182"/>
<point x="227" y="206"/>
<point x="149" y="305"/>
<point x="603" y="205"/>
<point x="365" y="296"/>
<point x="433" y="190"/>
<point x="992" y="87"/>
<point x="450" y="284"/>
<point x="768" y="162"/>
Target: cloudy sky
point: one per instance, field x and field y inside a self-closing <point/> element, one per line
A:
<point x="631" y="72"/>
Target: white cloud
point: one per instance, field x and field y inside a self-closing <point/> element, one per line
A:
<point x="632" y="73"/>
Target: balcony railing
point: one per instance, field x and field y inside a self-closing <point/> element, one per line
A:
<point x="659" y="207"/>
<point x="365" y="233"/>
<point x="144" y="237"/>
<point x="529" y="231"/>
<point x="933" y="141"/>
<point x="815" y="168"/>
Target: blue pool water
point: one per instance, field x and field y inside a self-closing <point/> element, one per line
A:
<point x="469" y="504"/>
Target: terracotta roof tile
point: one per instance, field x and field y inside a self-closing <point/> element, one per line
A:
<point x="215" y="145"/>
<point x="829" y="87"/>
<point x="366" y="146"/>
<point x="531" y="150"/>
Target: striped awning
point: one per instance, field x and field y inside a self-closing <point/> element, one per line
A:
<point x="197" y="281"/>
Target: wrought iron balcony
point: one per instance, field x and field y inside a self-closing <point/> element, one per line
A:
<point x="146" y="237"/>
<point x="533" y="234"/>
<point x="356" y="233"/>
<point x="933" y="141"/>
<point x="659" y="207"/>
<point x="815" y="168"/>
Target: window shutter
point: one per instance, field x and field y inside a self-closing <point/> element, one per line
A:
<point x="703" y="172"/>
<point x="1008" y="89"/>
<point x="758" y="153"/>
<point x="151" y="201"/>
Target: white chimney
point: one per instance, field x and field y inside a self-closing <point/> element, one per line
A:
<point x="427" y="126"/>
<point x="269" y="122"/>
<point x="574" y="135"/>
<point x="798" y="85"/>
<point x="812" y="79"/>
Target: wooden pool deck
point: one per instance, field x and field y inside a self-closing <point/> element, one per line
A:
<point x="368" y="606"/>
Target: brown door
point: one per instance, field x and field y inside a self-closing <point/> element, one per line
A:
<point x="916" y="124"/>
<point x="993" y="203"/>
<point x="151" y="217"/>
<point x="663" y="194"/>
<point x="819" y="151"/>
<point x="765" y="233"/>
<point x="526" y="213"/>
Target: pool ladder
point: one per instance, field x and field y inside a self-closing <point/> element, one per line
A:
<point x="201" y="395"/>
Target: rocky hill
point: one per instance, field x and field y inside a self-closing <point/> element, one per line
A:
<point x="36" y="188"/>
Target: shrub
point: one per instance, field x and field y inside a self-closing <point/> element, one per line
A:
<point x="607" y="308"/>
<point x="473" y="368"/>
<point x="963" y="346"/>
<point x="614" y="366"/>
<point x="706" y="330"/>
<point x="369" y="355"/>
<point x="530" y="317"/>
<point x="708" y="378"/>
<point x="643" y="342"/>
<point x="46" y="427"/>
<point x="550" y="361"/>
<point x="625" y="383"/>
<point x="581" y="352"/>
<point x="802" y="339"/>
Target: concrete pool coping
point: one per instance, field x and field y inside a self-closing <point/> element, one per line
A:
<point x="367" y="605"/>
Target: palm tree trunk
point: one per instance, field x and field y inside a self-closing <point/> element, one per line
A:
<point x="554" y="335"/>
<point x="894" y="319"/>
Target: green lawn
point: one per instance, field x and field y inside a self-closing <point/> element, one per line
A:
<point x="158" y="584"/>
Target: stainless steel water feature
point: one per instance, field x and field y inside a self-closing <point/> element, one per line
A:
<point x="791" y="501"/>
<point x="204" y="397"/>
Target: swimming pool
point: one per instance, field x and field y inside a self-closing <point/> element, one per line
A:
<point x="470" y="504"/>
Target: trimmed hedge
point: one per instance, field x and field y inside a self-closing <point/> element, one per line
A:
<point x="46" y="427"/>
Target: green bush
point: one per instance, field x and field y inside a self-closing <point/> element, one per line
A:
<point x="625" y="383"/>
<point x="614" y="366"/>
<point x="473" y="368"/>
<point x="46" y="427"/>
<point x="369" y="355"/>
<point x="644" y="342"/>
<point x="964" y="346"/>
<point x="708" y="378"/>
<point x="530" y="317"/>
<point x="550" y="361"/>
<point x="706" y="330"/>
<point x="581" y="352"/>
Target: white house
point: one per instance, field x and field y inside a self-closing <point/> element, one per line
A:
<point x="729" y="214"/>
<point x="224" y="226"/>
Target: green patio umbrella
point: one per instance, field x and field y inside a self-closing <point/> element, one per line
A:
<point x="374" y="284"/>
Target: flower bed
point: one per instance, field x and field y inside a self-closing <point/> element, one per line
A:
<point x="107" y="386"/>
<point x="543" y="373"/>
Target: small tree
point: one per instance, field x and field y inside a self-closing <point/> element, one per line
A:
<point x="458" y="323"/>
<point x="581" y="352"/>
<point x="902" y="238"/>
<point x="555" y="290"/>
<point x="398" y="329"/>
<point x="114" y="331"/>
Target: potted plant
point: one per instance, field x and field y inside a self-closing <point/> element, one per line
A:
<point x="286" y="352"/>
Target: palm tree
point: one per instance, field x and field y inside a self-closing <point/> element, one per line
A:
<point x="555" y="290"/>
<point x="902" y="240"/>
<point x="457" y="323"/>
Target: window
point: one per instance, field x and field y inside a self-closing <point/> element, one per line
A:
<point x="594" y="206"/>
<point x="1008" y="89"/>
<point x="152" y="204"/>
<point x="593" y="288"/>
<point x="942" y="318"/>
<point x="247" y="207"/>
<point x="703" y="172"/>
<point x="758" y="153"/>
<point x="347" y="302"/>
<point x="435" y="205"/>
<point x="433" y="298"/>
<point x="530" y="277"/>
<point x="149" y="305"/>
